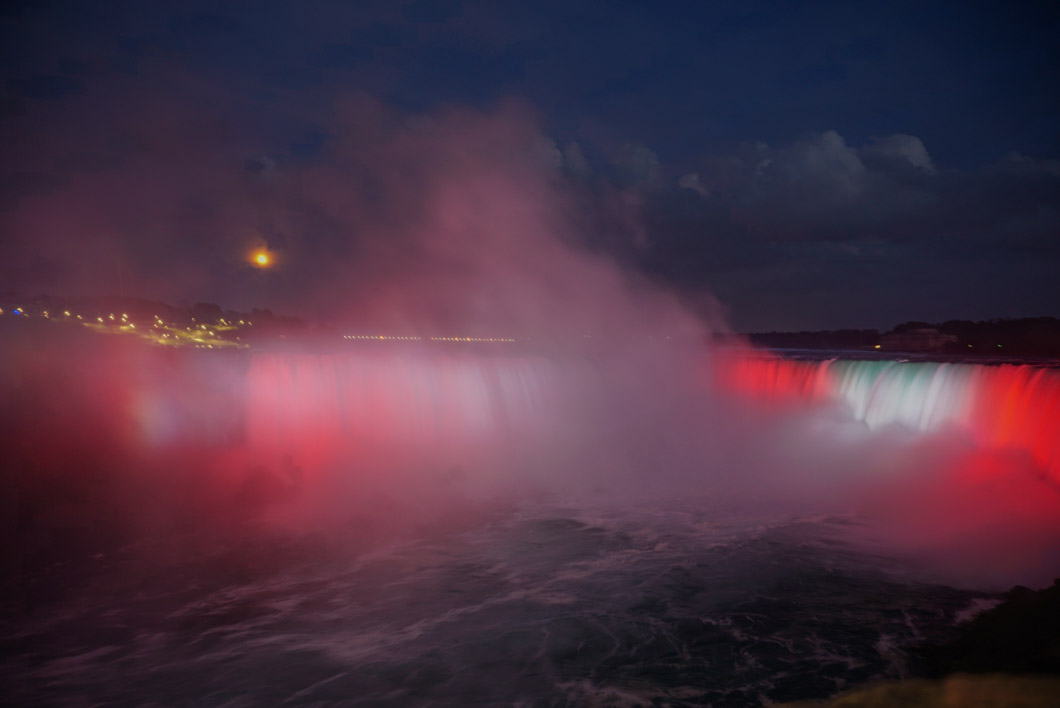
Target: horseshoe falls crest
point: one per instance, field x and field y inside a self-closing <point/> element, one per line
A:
<point x="1002" y="406"/>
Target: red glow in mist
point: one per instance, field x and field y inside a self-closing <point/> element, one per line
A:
<point x="1008" y="407"/>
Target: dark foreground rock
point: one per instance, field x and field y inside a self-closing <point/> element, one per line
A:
<point x="1019" y="636"/>
<point x="958" y="691"/>
<point x="1006" y="656"/>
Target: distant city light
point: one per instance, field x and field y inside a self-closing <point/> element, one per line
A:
<point x="397" y="338"/>
<point x="205" y="336"/>
<point x="261" y="258"/>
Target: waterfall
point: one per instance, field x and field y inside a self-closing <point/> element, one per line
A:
<point x="1004" y="406"/>
<point x="314" y="406"/>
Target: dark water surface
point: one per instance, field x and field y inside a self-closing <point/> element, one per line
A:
<point x="665" y="604"/>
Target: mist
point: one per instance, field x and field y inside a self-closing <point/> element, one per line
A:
<point x="457" y="223"/>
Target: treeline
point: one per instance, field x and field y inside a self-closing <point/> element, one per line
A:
<point x="824" y="339"/>
<point x="1024" y="336"/>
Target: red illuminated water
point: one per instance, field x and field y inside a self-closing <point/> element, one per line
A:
<point x="182" y="486"/>
<point x="318" y="406"/>
<point x="999" y="407"/>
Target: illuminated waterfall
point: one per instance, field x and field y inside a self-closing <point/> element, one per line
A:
<point x="1006" y="406"/>
<point x="313" y="406"/>
<point x="316" y="406"/>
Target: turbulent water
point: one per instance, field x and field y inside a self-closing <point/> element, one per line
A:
<point x="234" y="585"/>
<point x="538" y="605"/>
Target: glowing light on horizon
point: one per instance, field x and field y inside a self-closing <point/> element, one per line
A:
<point x="261" y="258"/>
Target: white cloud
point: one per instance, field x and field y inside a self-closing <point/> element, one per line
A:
<point x="824" y="159"/>
<point x="902" y="147"/>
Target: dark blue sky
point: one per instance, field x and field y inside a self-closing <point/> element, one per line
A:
<point x="810" y="164"/>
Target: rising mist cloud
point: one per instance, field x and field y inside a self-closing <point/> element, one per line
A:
<point x="455" y="219"/>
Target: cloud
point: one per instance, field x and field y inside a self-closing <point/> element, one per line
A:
<point x="549" y="155"/>
<point x="636" y="164"/>
<point x="454" y="220"/>
<point x="172" y="178"/>
<point x="901" y="148"/>
<point x="821" y="188"/>
<point x="824" y="160"/>
<point x="820" y="230"/>
<point x="691" y="181"/>
<point x="574" y="161"/>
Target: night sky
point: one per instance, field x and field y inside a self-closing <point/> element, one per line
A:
<point x="809" y="165"/>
